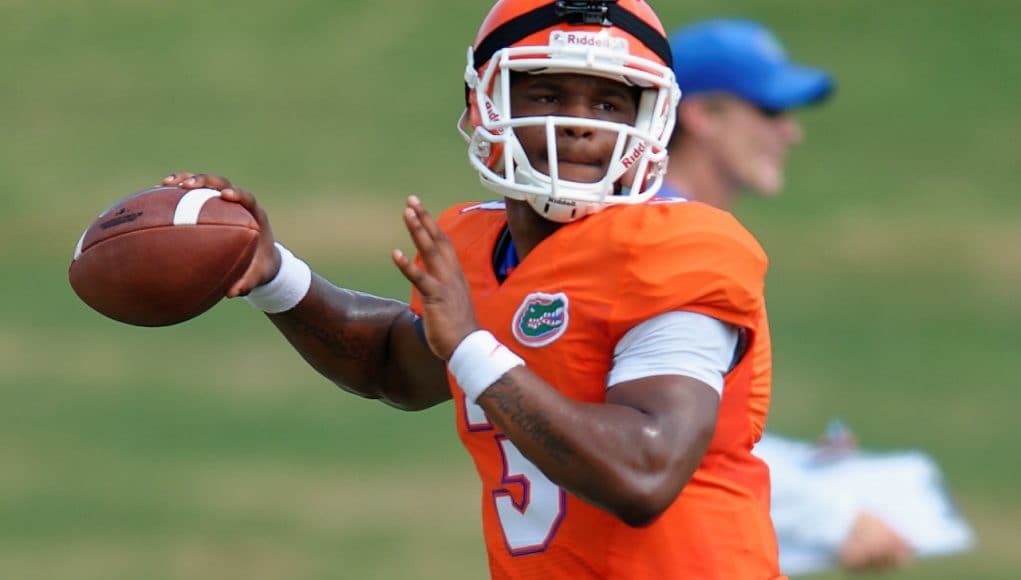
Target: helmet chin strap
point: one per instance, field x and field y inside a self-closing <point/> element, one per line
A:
<point x="555" y="209"/>
<point x="562" y="211"/>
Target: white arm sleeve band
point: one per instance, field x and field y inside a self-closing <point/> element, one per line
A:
<point x="676" y="343"/>
<point x="287" y="289"/>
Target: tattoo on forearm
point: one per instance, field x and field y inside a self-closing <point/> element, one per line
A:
<point x="531" y="421"/>
<point x="341" y="340"/>
<point x="360" y="335"/>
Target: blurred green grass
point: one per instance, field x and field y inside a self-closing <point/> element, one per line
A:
<point x="209" y="450"/>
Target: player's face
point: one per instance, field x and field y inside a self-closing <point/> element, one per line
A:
<point x="752" y="144"/>
<point x="583" y="153"/>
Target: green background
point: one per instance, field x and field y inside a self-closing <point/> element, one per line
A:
<point x="209" y="450"/>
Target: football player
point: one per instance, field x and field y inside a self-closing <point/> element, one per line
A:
<point x="592" y="339"/>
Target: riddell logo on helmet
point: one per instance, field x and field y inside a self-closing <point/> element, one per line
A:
<point x="559" y="38"/>
<point x="634" y="156"/>
<point x="493" y="115"/>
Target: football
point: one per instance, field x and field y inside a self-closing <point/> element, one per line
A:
<point x="163" y="255"/>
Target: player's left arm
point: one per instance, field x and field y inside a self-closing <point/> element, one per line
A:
<point x="631" y="455"/>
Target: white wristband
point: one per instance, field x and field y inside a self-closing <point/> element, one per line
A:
<point x="286" y="289"/>
<point x="479" y="361"/>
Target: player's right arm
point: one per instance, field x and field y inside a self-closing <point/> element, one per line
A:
<point x="365" y="344"/>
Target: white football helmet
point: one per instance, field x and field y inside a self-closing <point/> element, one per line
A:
<point x="618" y="39"/>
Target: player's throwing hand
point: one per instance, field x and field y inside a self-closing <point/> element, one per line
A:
<point x="266" y="262"/>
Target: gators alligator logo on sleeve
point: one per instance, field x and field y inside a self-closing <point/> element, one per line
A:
<point x="540" y="319"/>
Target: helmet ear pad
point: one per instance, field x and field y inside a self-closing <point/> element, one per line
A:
<point x="657" y="124"/>
<point x="494" y="160"/>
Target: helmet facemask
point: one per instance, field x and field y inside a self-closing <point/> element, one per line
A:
<point x="638" y="162"/>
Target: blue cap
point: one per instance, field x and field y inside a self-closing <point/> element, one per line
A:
<point x="744" y="58"/>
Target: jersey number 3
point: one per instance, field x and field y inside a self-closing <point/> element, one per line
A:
<point x="528" y="525"/>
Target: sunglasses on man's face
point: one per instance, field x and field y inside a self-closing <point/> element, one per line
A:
<point x="770" y="113"/>
<point x="719" y="101"/>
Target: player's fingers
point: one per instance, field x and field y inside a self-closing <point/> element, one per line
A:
<point x="246" y="199"/>
<point x="240" y="288"/>
<point x="432" y="228"/>
<point x="194" y="182"/>
<point x="205" y="180"/>
<point x="217" y="182"/>
<point x="176" y="178"/>
<point x="243" y="285"/>
<point x="252" y="277"/>
<point x="265" y="265"/>
<point x="246" y="283"/>
<point x="420" y="236"/>
<point x="266" y="239"/>
<point x="425" y="217"/>
<point x="417" y="276"/>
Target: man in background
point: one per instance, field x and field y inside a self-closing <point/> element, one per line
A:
<point x="734" y="131"/>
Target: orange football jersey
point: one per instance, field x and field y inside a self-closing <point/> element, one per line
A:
<point x="563" y="309"/>
<point x="762" y="376"/>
